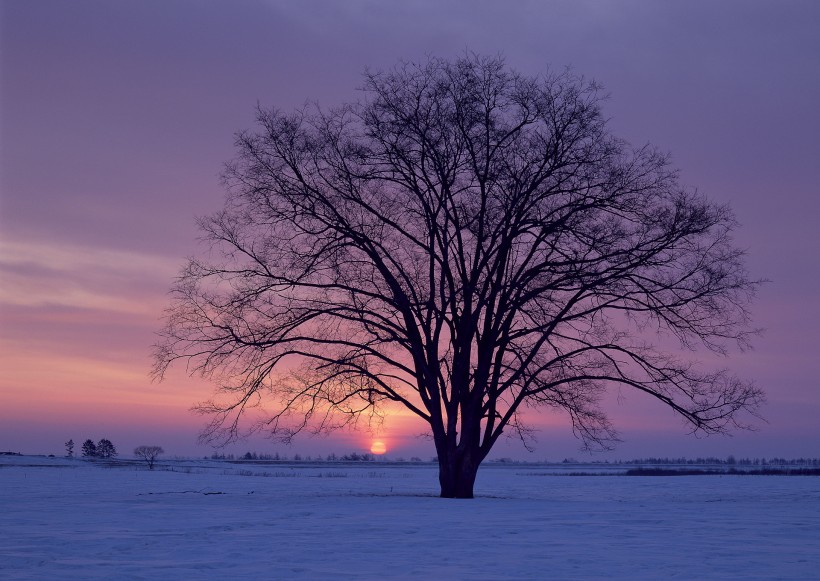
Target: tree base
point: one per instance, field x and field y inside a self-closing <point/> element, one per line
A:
<point x="457" y="479"/>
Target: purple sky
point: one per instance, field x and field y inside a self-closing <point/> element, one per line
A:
<point x="116" y="118"/>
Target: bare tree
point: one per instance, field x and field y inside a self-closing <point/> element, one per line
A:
<point x="149" y="454"/>
<point x="467" y="242"/>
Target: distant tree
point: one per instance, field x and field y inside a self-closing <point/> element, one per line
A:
<point x="467" y="242"/>
<point x="89" y="449"/>
<point x="105" y="449"/>
<point x="149" y="454"/>
<point x="69" y="448"/>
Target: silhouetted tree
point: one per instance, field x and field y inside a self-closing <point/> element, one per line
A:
<point x="89" y="449"/>
<point x="69" y="448"/>
<point x="149" y="454"/>
<point x="105" y="449"/>
<point x="468" y="242"/>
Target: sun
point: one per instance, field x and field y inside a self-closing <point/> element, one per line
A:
<point x="378" y="447"/>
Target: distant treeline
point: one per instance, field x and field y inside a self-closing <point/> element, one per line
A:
<point x="276" y="457"/>
<point x="770" y="471"/>
<point x="728" y="461"/>
<point x="679" y="461"/>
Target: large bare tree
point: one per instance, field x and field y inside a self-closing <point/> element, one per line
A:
<point x="468" y="242"/>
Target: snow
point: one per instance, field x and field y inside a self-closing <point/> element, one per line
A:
<point x="73" y="519"/>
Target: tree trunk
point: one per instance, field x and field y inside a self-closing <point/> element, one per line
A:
<point x="457" y="472"/>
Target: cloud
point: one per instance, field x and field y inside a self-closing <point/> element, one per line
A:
<point x="48" y="275"/>
<point x="76" y="331"/>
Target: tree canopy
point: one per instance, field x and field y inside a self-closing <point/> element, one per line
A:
<point x="468" y="242"/>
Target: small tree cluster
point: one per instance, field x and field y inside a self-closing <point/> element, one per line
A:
<point x="356" y="457"/>
<point x="102" y="449"/>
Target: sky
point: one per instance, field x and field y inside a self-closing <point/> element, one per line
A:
<point x="117" y="117"/>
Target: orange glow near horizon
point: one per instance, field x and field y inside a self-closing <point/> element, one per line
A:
<point x="378" y="447"/>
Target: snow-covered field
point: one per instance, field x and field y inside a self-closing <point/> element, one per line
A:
<point x="70" y="519"/>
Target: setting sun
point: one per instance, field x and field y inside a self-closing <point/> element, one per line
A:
<point x="378" y="447"/>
